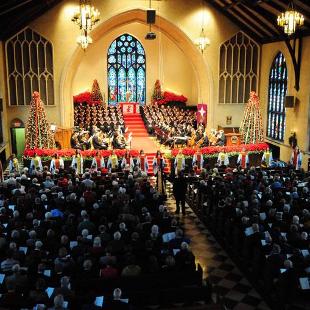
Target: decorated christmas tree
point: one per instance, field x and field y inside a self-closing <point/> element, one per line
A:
<point x="157" y="94"/>
<point x="38" y="133"/>
<point x="96" y="96"/>
<point x="252" y="126"/>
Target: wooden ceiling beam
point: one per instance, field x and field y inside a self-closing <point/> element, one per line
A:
<point x="257" y="37"/>
<point x="258" y="20"/>
<point x="10" y="26"/>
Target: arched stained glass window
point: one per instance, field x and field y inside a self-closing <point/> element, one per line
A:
<point x="276" y="99"/>
<point x="126" y="70"/>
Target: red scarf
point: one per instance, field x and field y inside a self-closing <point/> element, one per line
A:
<point x="159" y="161"/>
<point x="295" y="159"/>
<point x="198" y="160"/>
<point x="128" y="160"/>
<point x="98" y="161"/>
<point x="57" y="163"/>
<point x="142" y="162"/>
<point x="243" y="160"/>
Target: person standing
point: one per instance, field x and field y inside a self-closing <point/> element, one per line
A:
<point x="56" y="163"/>
<point x="13" y="164"/>
<point x="158" y="168"/>
<point x="36" y="164"/>
<point x="77" y="162"/>
<point x="179" y="192"/>
<point x="179" y="162"/>
<point x="267" y="159"/>
<point x="296" y="158"/>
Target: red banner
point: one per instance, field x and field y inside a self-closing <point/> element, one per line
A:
<point x="201" y="114"/>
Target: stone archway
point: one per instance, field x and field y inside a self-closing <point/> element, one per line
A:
<point x="183" y="42"/>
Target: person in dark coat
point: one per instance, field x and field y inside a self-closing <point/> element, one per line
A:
<point x="179" y="192"/>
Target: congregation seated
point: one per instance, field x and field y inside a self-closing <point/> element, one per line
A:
<point x="70" y="239"/>
<point x="262" y="217"/>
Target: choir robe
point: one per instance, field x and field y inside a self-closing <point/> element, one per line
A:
<point x="77" y="164"/>
<point x="267" y="158"/>
<point x="98" y="162"/>
<point x="56" y="163"/>
<point x="143" y="163"/>
<point x="112" y="162"/>
<point x="13" y="165"/>
<point x="198" y="161"/>
<point x="243" y="160"/>
<point x="296" y="159"/>
<point x="222" y="159"/>
<point x="158" y="168"/>
<point x="35" y="164"/>
<point x="179" y="163"/>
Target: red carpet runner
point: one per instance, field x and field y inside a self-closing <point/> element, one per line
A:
<point x="140" y="137"/>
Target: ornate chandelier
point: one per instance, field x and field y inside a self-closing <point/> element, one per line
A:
<point x="84" y="40"/>
<point x="86" y="16"/>
<point x="290" y="19"/>
<point x="202" y="41"/>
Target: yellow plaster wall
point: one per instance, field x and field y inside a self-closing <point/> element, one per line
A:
<point x="297" y="118"/>
<point x="164" y="60"/>
<point x="179" y="22"/>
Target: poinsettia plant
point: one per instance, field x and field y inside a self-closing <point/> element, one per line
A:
<point x="231" y="150"/>
<point x="85" y="97"/>
<point x="171" y="97"/>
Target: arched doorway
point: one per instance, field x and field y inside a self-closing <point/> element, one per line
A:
<point x="126" y="70"/>
<point x="18" y="137"/>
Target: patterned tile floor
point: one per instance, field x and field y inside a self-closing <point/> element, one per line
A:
<point x="226" y="278"/>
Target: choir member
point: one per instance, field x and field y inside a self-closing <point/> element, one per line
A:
<point x="77" y="162"/>
<point x="56" y="163"/>
<point x="296" y="158"/>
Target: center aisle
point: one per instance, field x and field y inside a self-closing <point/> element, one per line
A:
<point x="226" y="278"/>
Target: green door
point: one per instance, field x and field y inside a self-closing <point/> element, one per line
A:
<point x="18" y="141"/>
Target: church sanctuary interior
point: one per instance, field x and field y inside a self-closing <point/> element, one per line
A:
<point x="155" y="154"/>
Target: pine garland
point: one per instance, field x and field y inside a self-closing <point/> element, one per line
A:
<point x="252" y="125"/>
<point x="38" y="133"/>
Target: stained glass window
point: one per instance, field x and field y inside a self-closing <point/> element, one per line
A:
<point x="276" y="99"/>
<point x="126" y="70"/>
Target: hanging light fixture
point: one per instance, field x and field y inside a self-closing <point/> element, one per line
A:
<point x="202" y="41"/>
<point x="290" y="19"/>
<point x="86" y="16"/>
<point x="84" y="40"/>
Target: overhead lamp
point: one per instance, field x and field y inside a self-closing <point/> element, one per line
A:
<point x="86" y="16"/>
<point x="202" y="41"/>
<point x="290" y="19"/>
<point x="84" y="40"/>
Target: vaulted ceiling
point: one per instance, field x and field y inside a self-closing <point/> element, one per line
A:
<point x="258" y="18"/>
<point x="16" y="14"/>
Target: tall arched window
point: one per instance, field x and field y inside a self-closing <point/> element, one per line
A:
<point x="276" y="99"/>
<point x="126" y="70"/>
<point x="29" y="58"/>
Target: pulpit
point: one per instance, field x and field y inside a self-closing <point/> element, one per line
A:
<point x="233" y="139"/>
<point x="130" y="107"/>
